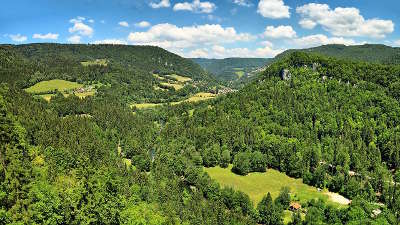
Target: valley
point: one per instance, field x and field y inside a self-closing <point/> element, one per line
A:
<point x="136" y="133"/>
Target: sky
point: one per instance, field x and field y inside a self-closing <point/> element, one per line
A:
<point x="203" y="28"/>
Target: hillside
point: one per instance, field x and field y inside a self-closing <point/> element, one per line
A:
<point x="232" y="70"/>
<point x="368" y="52"/>
<point x="127" y="69"/>
<point x="332" y="124"/>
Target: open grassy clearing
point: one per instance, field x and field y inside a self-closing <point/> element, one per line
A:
<point x="85" y="94"/>
<point x="201" y="96"/>
<point x="256" y="185"/>
<point x="159" y="77"/>
<point x="175" y="86"/>
<point x="100" y="62"/>
<point x="239" y="74"/>
<point x="146" y="105"/>
<point x="180" y="78"/>
<point x="51" y="85"/>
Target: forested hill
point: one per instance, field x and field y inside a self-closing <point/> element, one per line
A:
<point x="131" y="73"/>
<point x="62" y="58"/>
<point x="232" y="69"/>
<point x="368" y="52"/>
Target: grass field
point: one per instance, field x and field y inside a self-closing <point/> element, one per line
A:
<point x="50" y="85"/>
<point x="100" y="62"/>
<point x="201" y="96"/>
<point x="176" y="86"/>
<point x="146" y="105"/>
<point x="85" y="94"/>
<point x="180" y="78"/>
<point x="256" y="185"/>
<point x="159" y="77"/>
<point x="239" y="74"/>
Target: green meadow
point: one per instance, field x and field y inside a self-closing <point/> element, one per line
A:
<point x="51" y="85"/>
<point x="256" y="185"/>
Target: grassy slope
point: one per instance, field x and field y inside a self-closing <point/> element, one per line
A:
<point x="256" y="185"/>
<point x="51" y="85"/>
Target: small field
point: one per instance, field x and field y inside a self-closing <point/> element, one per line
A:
<point x="180" y="78"/>
<point x="256" y="185"/>
<point x="175" y="86"/>
<point x="146" y="105"/>
<point x="201" y="96"/>
<point x="99" y="62"/>
<point x="51" y="85"/>
<point x="239" y="74"/>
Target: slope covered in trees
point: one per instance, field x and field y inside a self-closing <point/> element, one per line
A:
<point x="369" y="52"/>
<point x="127" y="69"/>
<point x="334" y="123"/>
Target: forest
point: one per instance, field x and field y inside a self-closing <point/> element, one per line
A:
<point x="334" y="123"/>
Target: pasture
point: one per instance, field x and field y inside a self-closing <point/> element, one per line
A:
<point x="257" y="185"/>
<point x="180" y="78"/>
<point x="98" y="62"/>
<point x="175" y="86"/>
<point x="51" y="85"/>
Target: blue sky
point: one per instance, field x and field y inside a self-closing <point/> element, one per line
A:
<point x="203" y="28"/>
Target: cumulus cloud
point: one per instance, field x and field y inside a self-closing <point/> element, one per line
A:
<point x="80" y="27"/>
<point x="218" y="51"/>
<point x="274" y="9"/>
<point x="307" y="24"/>
<point x="111" y="42"/>
<point x="18" y="37"/>
<point x="161" y="4"/>
<point x="279" y="32"/>
<point x="195" y="6"/>
<point x="246" y="3"/>
<point x="49" y="36"/>
<point x="343" y="21"/>
<point x="75" y="39"/>
<point x="170" y="36"/>
<point x="397" y="42"/>
<point x="123" y="24"/>
<point x="319" y="39"/>
<point x="143" y="24"/>
<point x="91" y="21"/>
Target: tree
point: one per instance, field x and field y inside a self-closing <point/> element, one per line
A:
<point x="241" y="163"/>
<point x="283" y="199"/>
<point x="225" y="157"/>
<point x="296" y="218"/>
<point x="258" y="162"/>
<point x="211" y="156"/>
<point x="268" y="212"/>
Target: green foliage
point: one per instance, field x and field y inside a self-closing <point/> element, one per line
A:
<point x="268" y="213"/>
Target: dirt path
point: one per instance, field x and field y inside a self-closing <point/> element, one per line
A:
<point x="338" y="198"/>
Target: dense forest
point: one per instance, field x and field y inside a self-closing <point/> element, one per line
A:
<point x="376" y="53"/>
<point x="128" y="69"/>
<point x="334" y="123"/>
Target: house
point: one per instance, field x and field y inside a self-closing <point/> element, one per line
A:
<point x="294" y="206"/>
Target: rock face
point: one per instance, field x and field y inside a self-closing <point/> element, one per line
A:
<point x="285" y="74"/>
<point x="315" y="66"/>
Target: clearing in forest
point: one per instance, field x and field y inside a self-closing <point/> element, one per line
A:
<point x="257" y="185"/>
<point x="51" y="85"/>
<point x="98" y="62"/>
<point x="180" y="78"/>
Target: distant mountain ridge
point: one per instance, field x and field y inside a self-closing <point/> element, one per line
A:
<point x="377" y="53"/>
<point x="231" y="69"/>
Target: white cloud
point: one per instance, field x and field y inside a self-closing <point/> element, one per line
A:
<point x="218" y="51"/>
<point x="246" y="3"/>
<point x="280" y="32"/>
<point x="343" y="21"/>
<point x="76" y="39"/>
<point x="307" y="24"/>
<point x="175" y="38"/>
<point x="319" y="39"/>
<point x="18" y="37"/>
<point x="196" y="6"/>
<point x="274" y="9"/>
<point x="161" y="4"/>
<point x="397" y="42"/>
<point x="50" y="36"/>
<point x="123" y="24"/>
<point x="91" y="21"/>
<point x="80" y="27"/>
<point x="143" y="24"/>
<point x="111" y="41"/>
